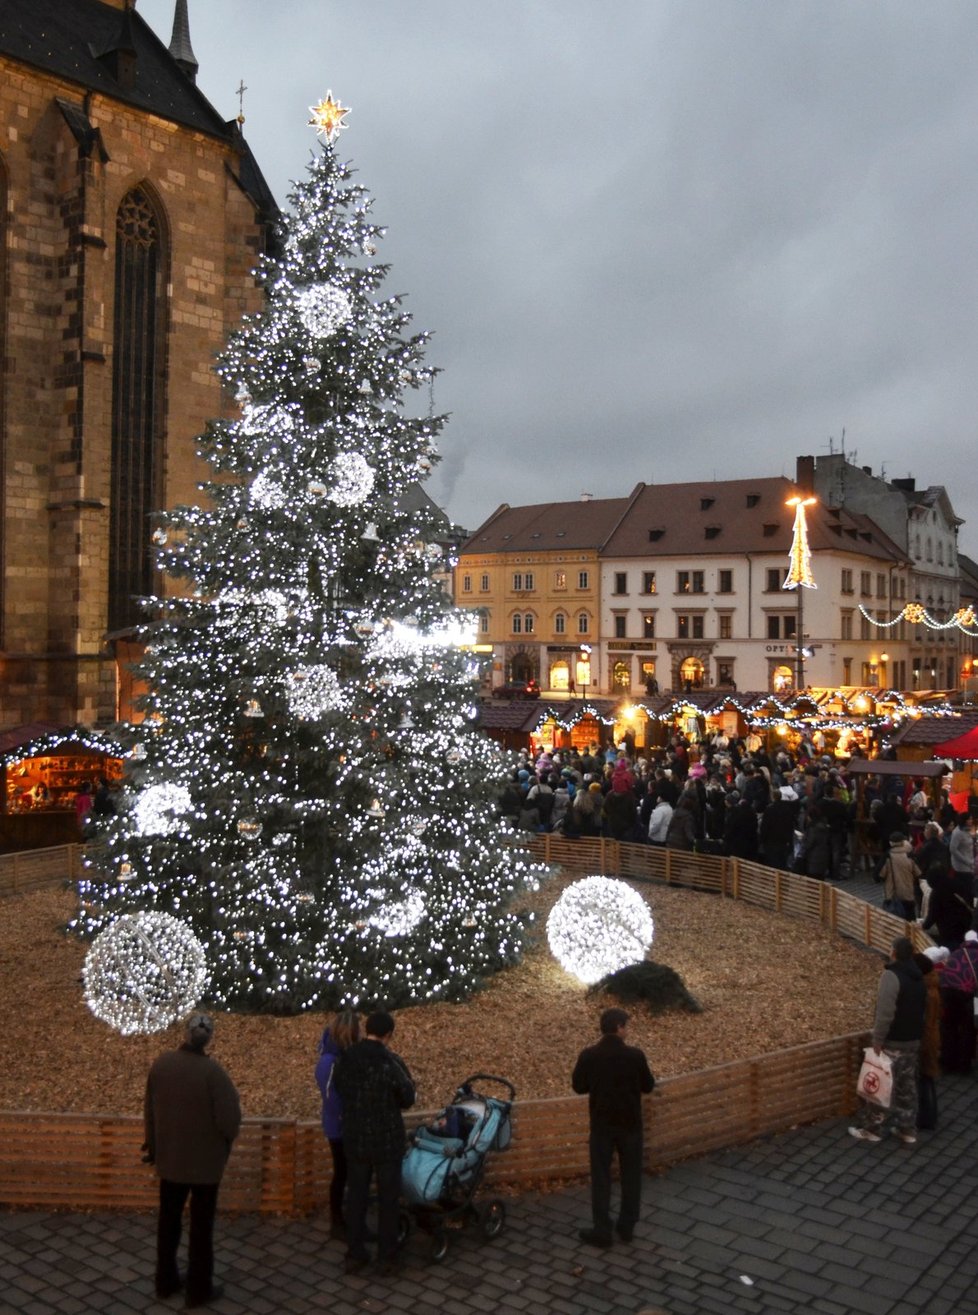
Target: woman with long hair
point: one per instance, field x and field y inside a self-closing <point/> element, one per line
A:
<point x="339" y="1036"/>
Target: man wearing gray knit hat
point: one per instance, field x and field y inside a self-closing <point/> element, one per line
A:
<point x="192" y="1115"/>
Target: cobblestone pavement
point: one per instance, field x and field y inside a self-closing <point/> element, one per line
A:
<point x="807" y="1221"/>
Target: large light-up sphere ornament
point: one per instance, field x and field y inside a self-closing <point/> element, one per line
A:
<point x="323" y="308"/>
<point x="598" y="926"/>
<point x="158" y="809"/>
<point x="143" y="973"/>
<point x="353" y="479"/>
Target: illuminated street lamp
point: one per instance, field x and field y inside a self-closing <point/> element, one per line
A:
<point x="800" y="577"/>
<point x="584" y="668"/>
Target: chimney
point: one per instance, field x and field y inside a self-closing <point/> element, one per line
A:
<point x="587" y="497"/>
<point x="805" y="474"/>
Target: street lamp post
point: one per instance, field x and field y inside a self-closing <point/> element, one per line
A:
<point x="584" y="668"/>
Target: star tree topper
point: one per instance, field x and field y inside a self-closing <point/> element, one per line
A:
<point x="327" y="118"/>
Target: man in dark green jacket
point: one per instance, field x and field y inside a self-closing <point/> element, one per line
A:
<point x="374" y="1085"/>
<point x="614" y="1077"/>
<point x="192" y="1116"/>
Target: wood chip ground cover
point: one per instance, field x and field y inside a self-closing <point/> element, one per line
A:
<point x="765" y="981"/>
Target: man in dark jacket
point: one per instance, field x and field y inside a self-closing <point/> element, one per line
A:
<point x="897" y="1028"/>
<point x="613" y="1075"/>
<point x="374" y="1085"/>
<point x="192" y="1115"/>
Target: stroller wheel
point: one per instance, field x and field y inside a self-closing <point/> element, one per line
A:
<point x="404" y="1226"/>
<point x="439" y="1245"/>
<point x="493" y="1218"/>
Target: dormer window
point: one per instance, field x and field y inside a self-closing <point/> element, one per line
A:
<point x="655" y="535"/>
<point x="712" y="531"/>
<point x="753" y="499"/>
<point x="706" y="503"/>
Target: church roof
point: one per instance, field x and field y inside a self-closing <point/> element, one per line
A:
<point x="66" y="37"/>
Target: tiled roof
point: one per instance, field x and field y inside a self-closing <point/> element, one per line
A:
<point x="933" y="730"/>
<point x="63" y="37"/>
<point x="736" y="516"/>
<point x="548" y="526"/>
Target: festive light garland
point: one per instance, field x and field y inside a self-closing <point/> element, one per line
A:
<point x="144" y="972"/>
<point x="598" y="926"/>
<point x="964" y="619"/>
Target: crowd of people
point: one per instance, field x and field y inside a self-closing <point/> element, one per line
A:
<point x="793" y="811"/>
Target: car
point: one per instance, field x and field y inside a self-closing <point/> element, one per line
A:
<point x="517" y="689"/>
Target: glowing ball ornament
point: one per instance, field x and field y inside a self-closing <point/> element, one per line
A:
<point x="598" y="926"/>
<point x="143" y="973"/>
<point x="323" y="308"/>
<point x="353" y="479"/>
<point x="157" y="810"/>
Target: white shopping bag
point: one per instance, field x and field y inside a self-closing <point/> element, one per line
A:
<point x="875" y="1081"/>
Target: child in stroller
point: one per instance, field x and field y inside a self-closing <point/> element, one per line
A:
<point x="445" y="1163"/>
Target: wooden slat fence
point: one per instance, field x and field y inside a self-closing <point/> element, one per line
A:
<point x="38" y="869"/>
<point x="86" y="1161"/>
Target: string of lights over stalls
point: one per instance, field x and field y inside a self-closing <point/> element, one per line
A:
<point x="308" y="793"/>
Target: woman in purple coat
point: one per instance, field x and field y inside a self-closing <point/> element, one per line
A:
<point x="339" y="1036"/>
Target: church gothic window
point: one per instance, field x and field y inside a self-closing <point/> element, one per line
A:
<point x="139" y="338"/>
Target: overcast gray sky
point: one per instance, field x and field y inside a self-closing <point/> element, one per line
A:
<point x="655" y="239"/>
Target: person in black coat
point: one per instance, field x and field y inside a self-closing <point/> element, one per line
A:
<point x="613" y="1076"/>
<point x="777" y="832"/>
<point x="374" y="1085"/>
<point x="740" y="831"/>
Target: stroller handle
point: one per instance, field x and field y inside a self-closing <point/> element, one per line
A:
<point x="490" y="1077"/>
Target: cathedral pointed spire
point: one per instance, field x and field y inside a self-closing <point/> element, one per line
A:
<point x="180" y="47"/>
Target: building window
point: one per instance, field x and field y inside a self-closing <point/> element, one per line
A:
<point x="689" y="582"/>
<point x="725" y="582"/>
<point x="560" y="624"/>
<point x="139" y="337"/>
<point x="621" y="627"/>
<point x="621" y="675"/>
<point x="866" y="583"/>
<point x="648" y="625"/>
<point x="846" y="629"/>
<point x="863" y="627"/>
<point x="484" y="584"/>
<point x="774" y="627"/>
<point x="773" y="580"/>
<point x="517" y="624"/>
<point x="466" y="584"/>
<point x="583" y="580"/>
<point x="725" y="625"/>
<point x="583" y="624"/>
<point x="782" y="627"/>
<point x="847" y="671"/>
<point x="682" y="627"/>
<point x="689" y="627"/>
<point x="528" y="580"/>
<point x="528" y="623"/>
<point x="518" y="582"/>
<point x="560" y="579"/>
<point x="621" y="582"/>
<point x="484" y="623"/>
<point x="698" y="627"/>
<point x="846" y="580"/>
<point x="648" y="582"/>
<point x="880" y="585"/>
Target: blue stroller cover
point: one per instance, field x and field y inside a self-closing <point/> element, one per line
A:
<point x="445" y="1157"/>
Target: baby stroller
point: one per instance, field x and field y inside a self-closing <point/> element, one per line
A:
<point x="445" y="1162"/>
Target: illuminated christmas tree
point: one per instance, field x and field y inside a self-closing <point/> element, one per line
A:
<point x="308" y="793"/>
